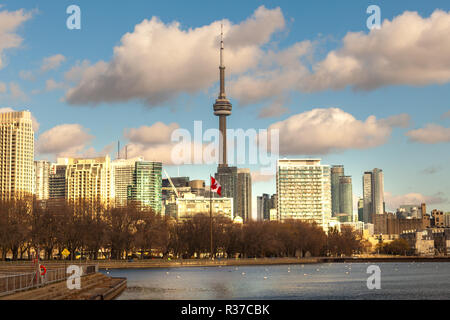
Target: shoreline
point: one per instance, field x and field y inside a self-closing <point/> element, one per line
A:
<point x="257" y="262"/>
<point x="181" y="263"/>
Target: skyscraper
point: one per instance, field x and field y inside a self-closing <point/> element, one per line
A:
<point x="123" y="172"/>
<point x="228" y="177"/>
<point x="41" y="180"/>
<point x="146" y="188"/>
<point x="57" y="179"/>
<point x="378" y="191"/>
<point x="367" y="197"/>
<point x="260" y="207"/>
<point x="304" y="191"/>
<point x="244" y="194"/>
<point x="346" y="196"/>
<point x="264" y="204"/>
<point x="336" y="173"/>
<point x="90" y="180"/>
<point x="361" y="209"/>
<point x="16" y="154"/>
<point x="373" y="194"/>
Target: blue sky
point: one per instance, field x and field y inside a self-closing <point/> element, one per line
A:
<point x="415" y="165"/>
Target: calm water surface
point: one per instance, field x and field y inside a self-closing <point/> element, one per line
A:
<point x="310" y="281"/>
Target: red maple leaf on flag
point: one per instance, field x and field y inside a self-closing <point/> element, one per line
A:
<point x="216" y="187"/>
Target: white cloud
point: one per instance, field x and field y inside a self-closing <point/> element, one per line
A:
<point x="158" y="133"/>
<point x="394" y="202"/>
<point x="274" y="109"/>
<point x="431" y="134"/>
<point x="10" y="21"/>
<point x="154" y="143"/>
<point x="409" y="50"/>
<point x="53" y="62"/>
<point x="151" y="142"/>
<point x="3" y="88"/>
<point x="276" y="74"/>
<point x="160" y="152"/>
<point x="64" y="140"/>
<point x="51" y="85"/>
<point x="157" y="62"/>
<point x="92" y="153"/>
<point x="27" y="75"/>
<point x="258" y="176"/>
<point x="16" y="92"/>
<point x="323" y="131"/>
<point x="75" y="74"/>
<point x="446" y="115"/>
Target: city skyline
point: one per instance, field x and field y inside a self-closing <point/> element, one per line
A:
<point x="399" y="140"/>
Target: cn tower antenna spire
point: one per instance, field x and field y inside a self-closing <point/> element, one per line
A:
<point x="222" y="107"/>
<point x="221" y="46"/>
<point x="222" y="94"/>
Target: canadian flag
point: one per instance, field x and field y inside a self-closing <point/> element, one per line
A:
<point x="216" y="187"/>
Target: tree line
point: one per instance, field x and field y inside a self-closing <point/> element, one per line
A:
<point x="94" y="231"/>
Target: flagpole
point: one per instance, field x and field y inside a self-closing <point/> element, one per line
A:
<point x="210" y="220"/>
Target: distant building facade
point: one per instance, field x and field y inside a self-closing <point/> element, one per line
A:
<point x="90" y="180"/>
<point x="244" y="194"/>
<point x="336" y="173"/>
<point x="346" y="197"/>
<point x="198" y="187"/>
<point x="373" y="194"/>
<point x="263" y="207"/>
<point x="146" y="189"/>
<point x="420" y="242"/>
<point x="437" y="219"/>
<point x="123" y="173"/>
<point x="190" y="205"/>
<point x="16" y="154"/>
<point x="42" y="180"/>
<point x="304" y="191"/>
<point x="228" y="178"/>
<point x="57" y="180"/>
<point x="361" y="209"/>
<point x="389" y="223"/>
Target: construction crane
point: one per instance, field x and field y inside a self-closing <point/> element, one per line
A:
<point x="171" y="183"/>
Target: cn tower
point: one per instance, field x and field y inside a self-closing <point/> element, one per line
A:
<point x="222" y="109"/>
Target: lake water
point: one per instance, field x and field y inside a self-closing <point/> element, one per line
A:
<point x="300" y="282"/>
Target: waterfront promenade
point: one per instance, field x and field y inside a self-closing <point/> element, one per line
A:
<point x="18" y="281"/>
